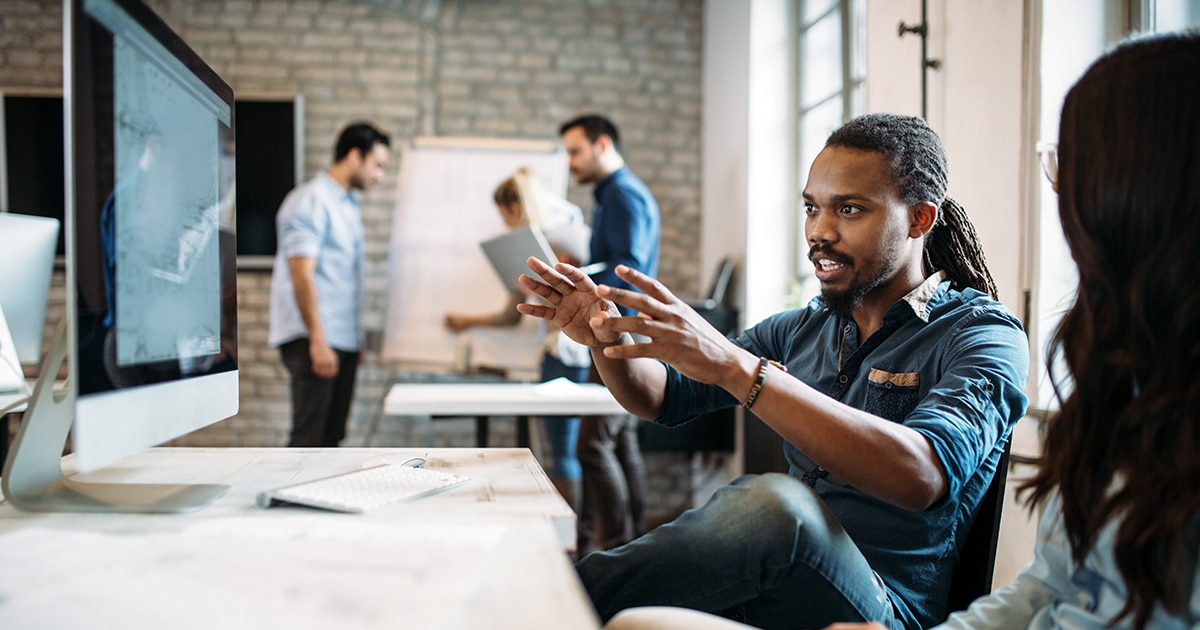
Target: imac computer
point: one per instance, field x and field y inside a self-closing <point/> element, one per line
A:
<point x="150" y="322"/>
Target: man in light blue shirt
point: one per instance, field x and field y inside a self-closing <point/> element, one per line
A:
<point x="317" y="286"/>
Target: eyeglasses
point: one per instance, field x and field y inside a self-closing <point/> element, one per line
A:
<point x="1048" y="156"/>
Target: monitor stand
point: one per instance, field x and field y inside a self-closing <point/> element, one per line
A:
<point x="33" y="477"/>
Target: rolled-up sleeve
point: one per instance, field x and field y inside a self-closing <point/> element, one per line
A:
<point x="302" y="228"/>
<point x="979" y="396"/>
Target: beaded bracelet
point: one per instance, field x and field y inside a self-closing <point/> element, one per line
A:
<point x="764" y="365"/>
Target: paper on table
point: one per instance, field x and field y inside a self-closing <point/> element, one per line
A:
<point x="563" y="387"/>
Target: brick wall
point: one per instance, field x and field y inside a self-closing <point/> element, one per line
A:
<point x="512" y="69"/>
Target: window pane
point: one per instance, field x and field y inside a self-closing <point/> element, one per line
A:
<point x="821" y="61"/>
<point x="1074" y="33"/>
<point x="814" y="9"/>
<point x="815" y="127"/>
<point x="1173" y="15"/>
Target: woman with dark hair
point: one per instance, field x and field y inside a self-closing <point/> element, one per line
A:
<point x="1119" y="539"/>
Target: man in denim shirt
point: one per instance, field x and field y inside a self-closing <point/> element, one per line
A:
<point x="902" y="383"/>
<point x="625" y="231"/>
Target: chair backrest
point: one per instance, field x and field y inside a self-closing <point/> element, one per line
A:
<point x="720" y="282"/>
<point x="977" y="562"/>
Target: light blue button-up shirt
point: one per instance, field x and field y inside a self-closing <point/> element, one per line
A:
<point x="320" y="220"/>
<point x="950" y="365"/>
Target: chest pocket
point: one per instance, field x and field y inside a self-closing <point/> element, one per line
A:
<point x="890" y="395"/>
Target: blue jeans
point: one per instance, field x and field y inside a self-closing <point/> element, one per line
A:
<point x="562" y="432"/>
<point x="764" y="550"/>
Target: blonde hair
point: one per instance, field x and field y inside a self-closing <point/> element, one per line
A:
<point x="559" y="219"/>
<point x="524" y="189"/>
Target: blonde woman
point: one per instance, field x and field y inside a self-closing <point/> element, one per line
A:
<point x="522" y="200"/>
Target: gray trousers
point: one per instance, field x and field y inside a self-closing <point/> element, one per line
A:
<point x="320" y="406"/>
<point x="614" y="480"/>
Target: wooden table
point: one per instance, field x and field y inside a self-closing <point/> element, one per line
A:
<point x="490" y="554"/>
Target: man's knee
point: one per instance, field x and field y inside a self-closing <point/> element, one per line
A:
<point x="777" y="504"/>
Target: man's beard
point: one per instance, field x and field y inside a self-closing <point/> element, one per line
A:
<point x="585" y="177"/>
<point x="843" y="303"/>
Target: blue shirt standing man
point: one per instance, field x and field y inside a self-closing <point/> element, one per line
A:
<point x="626" y="228"/>
<point x="317" y="285"/>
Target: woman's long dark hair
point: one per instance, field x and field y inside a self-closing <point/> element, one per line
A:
<point x="1126" y="444"/>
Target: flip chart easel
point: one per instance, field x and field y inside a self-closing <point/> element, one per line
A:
<point x="443" y="210"/>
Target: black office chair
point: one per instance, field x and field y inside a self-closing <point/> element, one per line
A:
<point x="973" y="576"/>
<point x="714" y="431"/>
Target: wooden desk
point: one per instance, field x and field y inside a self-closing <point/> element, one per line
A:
<point x="489" y="554"/>
<point x="482" y="400"/>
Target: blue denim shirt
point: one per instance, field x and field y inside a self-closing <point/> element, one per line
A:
<point x="626" y="227"/>
<point x="949" y="364"/>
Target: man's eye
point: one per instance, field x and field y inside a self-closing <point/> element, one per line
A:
<point x="849" y="210"/>
<point x="809" y="209"/>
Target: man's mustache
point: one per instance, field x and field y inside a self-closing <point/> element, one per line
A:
<point x="819" y="251"/>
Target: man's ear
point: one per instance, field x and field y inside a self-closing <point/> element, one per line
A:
<point x="922" y="217"/>
<point x="604" y="144"/>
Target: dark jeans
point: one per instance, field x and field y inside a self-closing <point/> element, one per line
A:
<point x="765" y="550"/>
<point x="614" y="479"/>
<point x="320" y="406"/>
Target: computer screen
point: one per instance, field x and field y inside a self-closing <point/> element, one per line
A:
<point x="151" y="262"/>
<point x="27" y="246"/>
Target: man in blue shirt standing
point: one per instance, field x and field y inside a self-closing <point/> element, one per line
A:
<point x="317" y="285"/>
<point x="895" y="391"/>
<point x="625" y="231"/>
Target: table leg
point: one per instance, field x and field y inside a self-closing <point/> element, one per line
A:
<point x="523" y="431"/>
<point x="481" y="431"/>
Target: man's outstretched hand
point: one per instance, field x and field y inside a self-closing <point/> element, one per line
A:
<point x="677" y="334"/>
<point x="573" y="302"/>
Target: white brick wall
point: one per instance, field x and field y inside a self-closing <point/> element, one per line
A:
<point x="513" y="69"/>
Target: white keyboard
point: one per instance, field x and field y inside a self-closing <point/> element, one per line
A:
<point x="363" y="490"/>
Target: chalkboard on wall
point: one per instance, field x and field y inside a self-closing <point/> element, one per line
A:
<point x="269" y="162"/>
<point x="31" y="180"/>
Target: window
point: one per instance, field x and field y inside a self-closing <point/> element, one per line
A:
<point x="269" y="162"/>
<point x="1074" y="34"/>
<point x="831" y="64"/>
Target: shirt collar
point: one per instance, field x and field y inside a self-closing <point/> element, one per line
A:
<point x="335" y="189"/>
<point x="919" y="297"/>
<point x="608" y="181"/>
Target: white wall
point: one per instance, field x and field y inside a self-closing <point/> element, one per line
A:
<point x="976" y="104"/>
<point x="748" y="160"/>
<point x="725" y="147"/>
